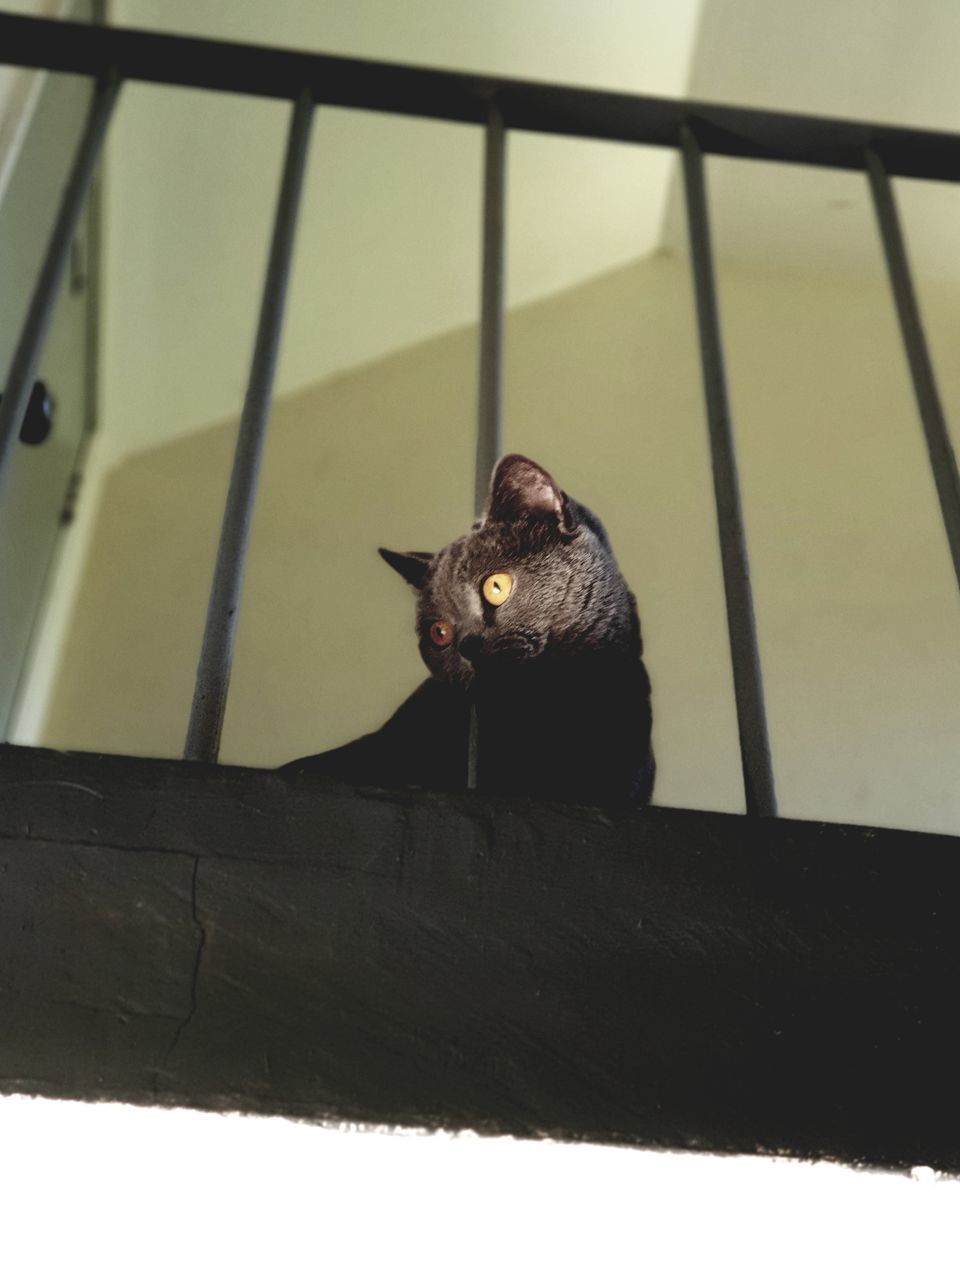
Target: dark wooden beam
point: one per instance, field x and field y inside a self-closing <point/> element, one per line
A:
<point x="225" y="938"/>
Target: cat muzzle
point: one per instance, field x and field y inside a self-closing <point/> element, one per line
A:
<point x="478" y="649"/>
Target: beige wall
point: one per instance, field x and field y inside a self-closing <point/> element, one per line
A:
<point x="388" y="248"/>
<point x="20" y="87"/>
<point x="858" y="612"/>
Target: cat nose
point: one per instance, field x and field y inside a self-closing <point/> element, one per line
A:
<point x="470" y="646"/>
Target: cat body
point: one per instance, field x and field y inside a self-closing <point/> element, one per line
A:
<point x="527" y="620"/>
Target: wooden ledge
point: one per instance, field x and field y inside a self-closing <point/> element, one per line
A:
<point x="226" y="938"/>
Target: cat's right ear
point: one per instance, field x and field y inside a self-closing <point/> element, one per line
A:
<point x="411" y="565"/>
<point x="521" y="488"/>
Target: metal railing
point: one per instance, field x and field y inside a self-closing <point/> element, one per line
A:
<point x="113" y="55"/>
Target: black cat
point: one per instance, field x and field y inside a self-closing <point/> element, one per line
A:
<point x="528" y="619"/>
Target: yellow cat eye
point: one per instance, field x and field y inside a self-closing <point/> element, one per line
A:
<point x="497" y="588"/>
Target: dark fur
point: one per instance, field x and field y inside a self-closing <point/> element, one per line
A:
<point x="555" y="673"/>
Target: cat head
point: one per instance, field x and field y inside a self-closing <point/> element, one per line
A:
<point x="534" y="577"/>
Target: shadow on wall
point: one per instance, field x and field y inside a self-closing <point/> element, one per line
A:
<point x="858" y="616"/>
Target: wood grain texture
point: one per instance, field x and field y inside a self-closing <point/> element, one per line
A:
<point x="227" y="938"/>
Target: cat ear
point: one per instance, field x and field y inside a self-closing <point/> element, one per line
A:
<point x="411" y="565"/>
<point x="521" y="487"/>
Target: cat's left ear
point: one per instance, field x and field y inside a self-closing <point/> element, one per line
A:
<point x="522" y="488"/>
<point x="411" y="565"/>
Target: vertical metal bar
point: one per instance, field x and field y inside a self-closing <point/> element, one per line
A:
<point x="490" y="389"/>
<point x="748" y="685"/>
<point x="213" y="672"/>
<point x="26" y="358"/>
<point x="942" y="458"/>
<point x="490" y="386"/>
